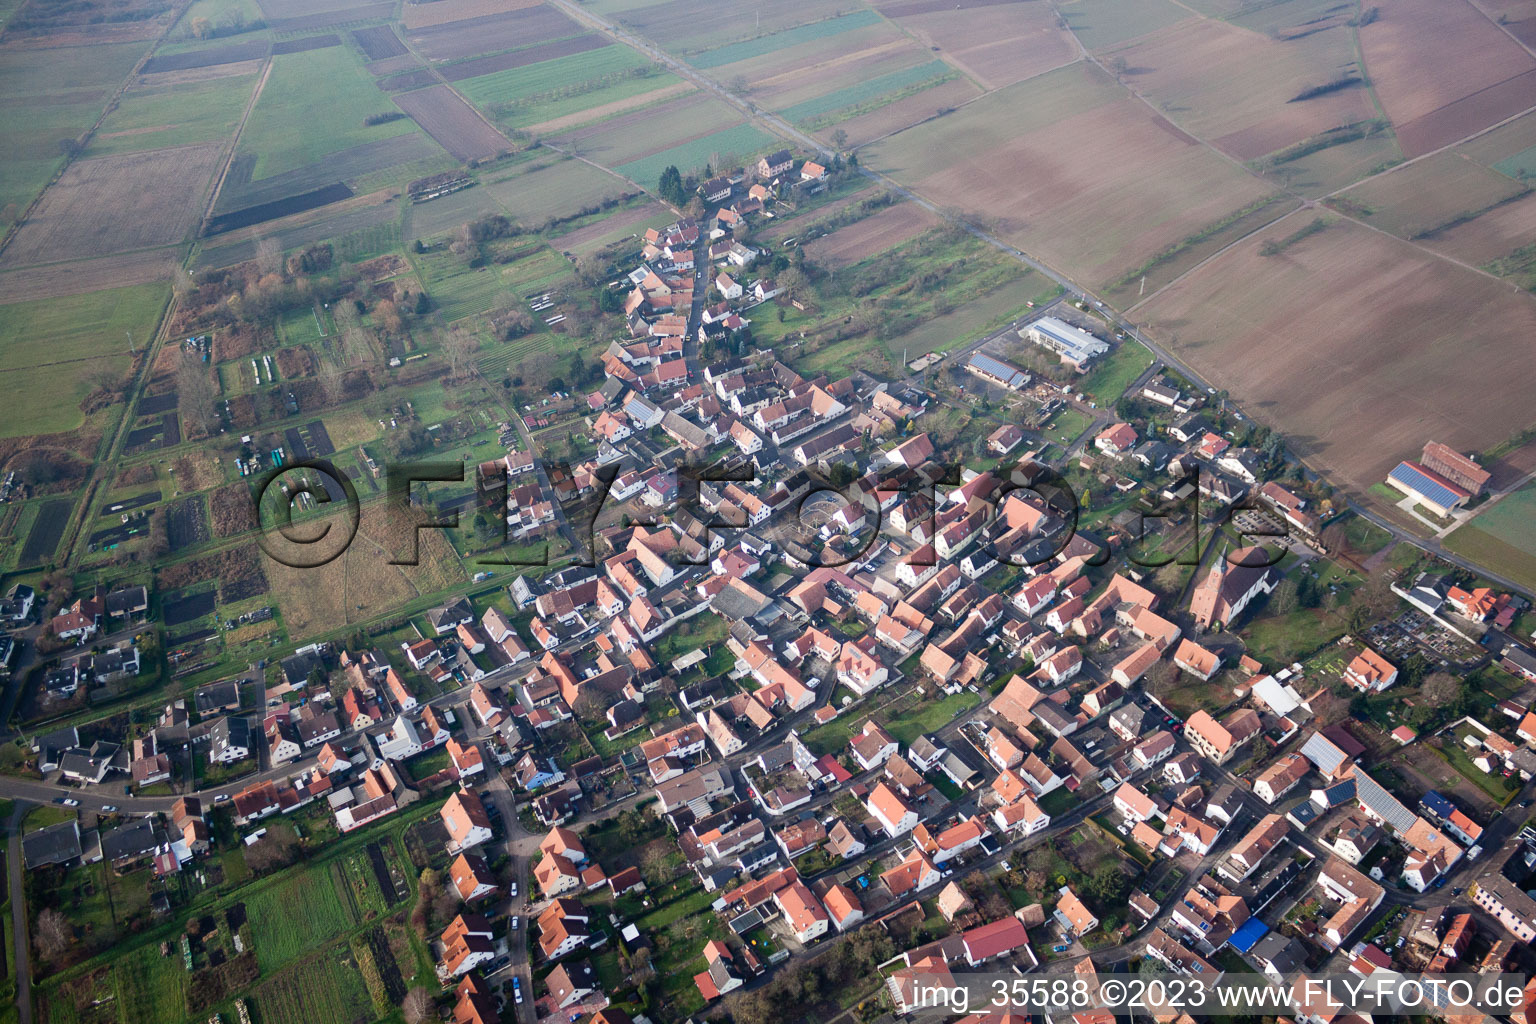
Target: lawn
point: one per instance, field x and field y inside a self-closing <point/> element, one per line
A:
<point x="1495" y="786"/>
<point x="294" y="916"/>
<point x="326" y="987"/>
<point x="86" y="333"/>
<point x="1067" y="424"/>
<point x="1281" y="639"/>
<point x="700" y="631"/>
<point x="173" y="115"/>
<point x="907" y="724"/>
<point x="1106" y="382"/>
<point x="313" y="104"/>
<point x="151" y="989"/>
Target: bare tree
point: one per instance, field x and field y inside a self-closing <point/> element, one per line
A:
<point x="417" y="1005"/>
<point x="459" y="347"/>
<point x="332" y="381"/>
<point x="654" y="864"/>
<point x="195" y="394"/>
<point x="269" y="256"/>
<point x="54" y="932"/>
<point x="1440" y="689"/>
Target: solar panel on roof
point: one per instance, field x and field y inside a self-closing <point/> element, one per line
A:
<point x="1419" y="481"/>
<point x="1383" y="804"/>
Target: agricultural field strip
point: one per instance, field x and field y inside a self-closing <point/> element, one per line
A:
<point x="347" y="845"/>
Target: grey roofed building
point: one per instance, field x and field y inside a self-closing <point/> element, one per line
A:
<point x="223" y="696"/>
<point x="991" y="367"/>
<point x="1278" y="954"/>
<point x="131" y="841"/>
<point x="1323" y="753"/>
<point x="445" y="618"/>
<point x="776" y="757"/>
<point x="1336" y="795"/>
<point x="128" y="601"/>
<point x="958" y="771"/>
<point x="687" y="433"/>
<point x="737" y="605"/>
<point x="229" y="735"/>
<point x="59" y="740"/>
<point x="298" y="666"/>
<point x="1128" y="718"/>
<point x="89" y="764"/>
<point x="56" y="844"/>
<point x="1302" y="815"/>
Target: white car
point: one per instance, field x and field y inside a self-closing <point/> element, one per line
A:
<point x="514" y="890"/>
<point x="517" y="989"/>
<point x="109" y="809"/>
<point x="516" y="921"/>
<point x="71" y="802"/>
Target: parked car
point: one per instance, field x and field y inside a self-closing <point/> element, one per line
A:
<point x="516" y="920"/>
<point x="517" y="989"/>
<point x="71" y="802"/>
<point x="109" y="809"/>
<point x="514" y="890"/>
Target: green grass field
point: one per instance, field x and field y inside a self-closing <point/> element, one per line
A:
<point x="150" y="988"/>
<point x="1504" y="537"/>
<point x="52" y="95"/>
<point x="173" y="115"/>
<point x="312" y="105"/>
<point x="1106" y="382"/>
<point x="873" y="88"/>
<point x="50" y="349"/>
<point x="556" y="189"/>
<point x="556" y="88"/>
<point x="295" y="916"/>
<point x="779" y="40"/>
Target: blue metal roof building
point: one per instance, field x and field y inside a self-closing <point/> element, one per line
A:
<point x="1251" y="932"/>
<point x="1440" y="495"/>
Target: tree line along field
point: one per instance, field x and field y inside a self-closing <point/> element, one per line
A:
<point x="565" y="87"/>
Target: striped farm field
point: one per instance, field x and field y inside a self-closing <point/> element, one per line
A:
<point x="555" y="88"/>
<point x="733" y="52"/>
<point x="639" y="133"/>
<point x="870" y="89"/>
<point x="730" y="146"/>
